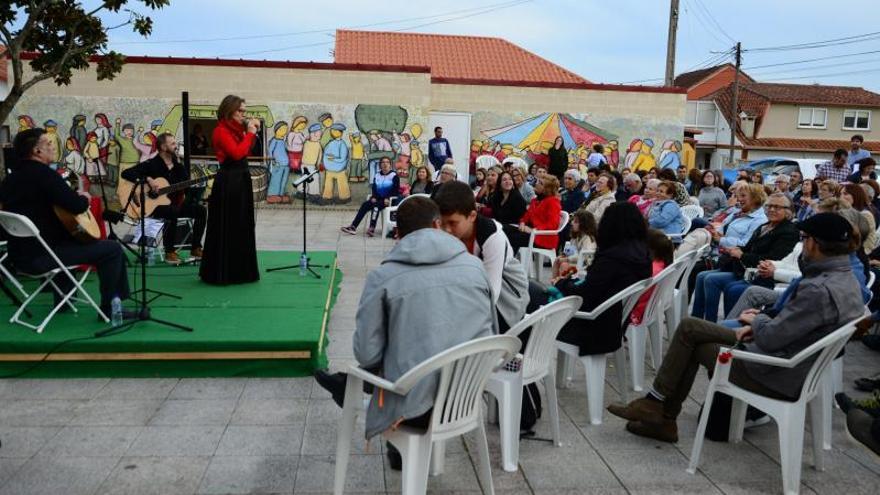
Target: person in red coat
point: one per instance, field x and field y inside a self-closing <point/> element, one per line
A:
<point x="542" y="214"/>
<point x="230" y="252"/>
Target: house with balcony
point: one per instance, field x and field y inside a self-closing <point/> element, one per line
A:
<point x="774" y="119"/>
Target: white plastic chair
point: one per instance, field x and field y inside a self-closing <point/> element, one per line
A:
<point x="789" y="416"/>
<point x="535" y="256"/>
<point x="538" y="361"/>
<point x="516" y="161"/>
<point x="692" y="211"/>
<point x="686" y="227"/>
<point x="487" y="161"/>
<point x="680" y="294"/>
<point x="594" y="364"/>
<point x="663" y="284"/>
<point x="462" y="373"/>
<point x="21" y="226"/>
<point x="584" y="259"/>
<point x="387" y="223"/>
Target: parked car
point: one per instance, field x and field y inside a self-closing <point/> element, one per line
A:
<point x="764" y="165"/>
<point x="771" y="167"/>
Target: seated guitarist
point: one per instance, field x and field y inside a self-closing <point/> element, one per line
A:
<point x="166" y="166"/>
<point x="32" y="190"/>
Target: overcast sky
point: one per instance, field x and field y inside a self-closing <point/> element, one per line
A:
<point x="604" y="41"/>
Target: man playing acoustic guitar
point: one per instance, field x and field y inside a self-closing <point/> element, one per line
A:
<point x="33" y="190"/>
<point x="166" y="166"/>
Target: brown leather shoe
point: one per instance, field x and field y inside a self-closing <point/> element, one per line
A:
<point x="196" y="252"/>
<point x="172" y="258"/>
<point x="650" y="411"/>
<point x="666" y="431"/>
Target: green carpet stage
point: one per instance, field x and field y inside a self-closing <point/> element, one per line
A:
<point x="275" y="327"/>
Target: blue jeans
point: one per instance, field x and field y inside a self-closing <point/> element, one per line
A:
<point x="707" y="293"/>
<point x="730" y="323"/>
<point x="732" y="293"/>
<point x="278" y="179"/>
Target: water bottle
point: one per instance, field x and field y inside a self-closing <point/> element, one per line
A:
<point x="568" y="250"/>
<point x="151" y="256"/>
<point x="116" y="312"/>
<point x="303" y="264"/>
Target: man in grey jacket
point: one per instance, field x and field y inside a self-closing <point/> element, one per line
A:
<point x="826" y="297"/>
<point x="428" y="295"/>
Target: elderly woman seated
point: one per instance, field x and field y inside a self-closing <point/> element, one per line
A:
<point x="665" y="214"/>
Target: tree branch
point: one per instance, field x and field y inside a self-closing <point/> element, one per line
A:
<point x="29" y="24"/>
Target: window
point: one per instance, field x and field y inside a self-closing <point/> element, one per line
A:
<point x="700" y="114"/>
<point x="813" y="118"/>
<point x="857" y="120"/>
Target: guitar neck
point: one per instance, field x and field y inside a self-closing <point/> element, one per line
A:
<point x="183" y="185"/>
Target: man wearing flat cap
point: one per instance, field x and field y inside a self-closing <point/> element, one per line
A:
<point x="335" y="164"/>
<point x="827" y="297"/>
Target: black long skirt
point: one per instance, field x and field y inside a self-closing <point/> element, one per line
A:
<point x="230" y="252"/>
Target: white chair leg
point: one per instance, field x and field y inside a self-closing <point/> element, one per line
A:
<point x="438" y="458"/>
<point x="594" y="368"/>
<point x="825" y="404"/>
<point x="817" y="430"/>
<point x="491" y="409"/>
<point x="737" y="421"/>
<point x="563" y="369"/>
<point x="791" y="444"/>
<point x="415" y="450"/>
<point x="622" y="383"/>
<point x="837" y="375"/>
<point x="697" y="449"/>
<point x="656" y="343"/>
<point x="553" y="405"/>
<point x="485" y="466"/>
<point x="637" y="336"/>
<point x="509" y="417"/>
<point x="353" y="391"/>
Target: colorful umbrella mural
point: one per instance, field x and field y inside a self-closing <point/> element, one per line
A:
<point x="546" y="127"/>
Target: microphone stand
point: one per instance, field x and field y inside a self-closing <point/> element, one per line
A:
<point x="305" y="263"/>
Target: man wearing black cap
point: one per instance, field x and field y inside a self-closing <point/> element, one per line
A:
<point x="826" y="297"/>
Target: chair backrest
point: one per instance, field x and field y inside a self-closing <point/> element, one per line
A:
<point x="564" y="217"/>
<point x="692" y="211"/>
<point x="545" y="323"/>
<point x="18" y="225"/>
<point x="628" y="297"/>
<point x="517" y="162"/>
<point x="698" y="254"/>
<point x="663" y="284"/>
<point x="871" y="279"/>
<point x="419" y="195"/>
<point x="487" y="161"/>
<point x="828" y="347"/>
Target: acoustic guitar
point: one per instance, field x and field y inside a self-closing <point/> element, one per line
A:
<point x="84" y="226"/>
<point x="154" y="198"/>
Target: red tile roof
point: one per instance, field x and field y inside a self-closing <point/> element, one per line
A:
<point x="458" y="58"/>
<point x="794" y="144"/>
<point x="747" y="100"/>
<point x="691" y="79"/>
<point x="814" y="94"/>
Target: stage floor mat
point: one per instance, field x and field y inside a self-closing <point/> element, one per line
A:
<point x="274" y="327"/>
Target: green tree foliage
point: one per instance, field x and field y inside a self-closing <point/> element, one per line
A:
<point x="65" y="37"/>
<point x="383" y="118"/>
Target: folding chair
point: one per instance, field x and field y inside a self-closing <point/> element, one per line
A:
<point x="21" y="226"/>
<point x="7" y="274"/>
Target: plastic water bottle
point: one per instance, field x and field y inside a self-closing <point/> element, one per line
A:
<point x="303" y="264"/>
<point x="151" y="256"/>
<point x="116" y="312"/>
<point x="568" y="250"/>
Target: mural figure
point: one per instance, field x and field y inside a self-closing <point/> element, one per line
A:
<point x="294" y="142"/>
<point x="401" y="145"/>
<point x="145" y="144"/>
<point x="128" y="152"/>
<point x="645" y="160"/>
<point x="358" y="162"/>
<point x="335" y="165"/>
<point x="612" y="155"/>
<point x="94" y="167"/>
<point x="74" y="160"/>
<point x="669" y="157"/>
<point x="52" y="130"/>
<point x="78" y="130"/>
<point x="379" y="147"/>
<point x="312" y="154"/>
<point x="417" y="158"/>
<point x="632" y="153"/>
<point x="25" y="122"/>
<point x="102" y="134"/>
<point x="279" y="169"/>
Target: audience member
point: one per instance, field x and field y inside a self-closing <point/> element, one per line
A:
<point x="632" y="185"/>
<point x="385" y="185"/>
<point x="665" y="214"/>
<point x="796" y="180"/>
<point x="583" y="239"/>
<point x="694" y="182"/>
<point x="542" y="214"/>
<point x="484" y="195"/>
<point x="572" y="191"/>
<point x="603" y="196"/>
<point x="643" y="202"/>
<point x="661" y="250"/>
<point x="783" y="185"/>
<point x="856" y="152"/>
<point x="826" y="298"/>
<point x="864" y="171"/>
<point x="558" y="158"/>
<point x="837" y="169"/>
<point x="525" y="189"/>
<point x="855" y="196"/>
<point x="804" y="201"/>
<point x="712" y="199"/>
<point x="597" y="156"/>
<point x="507" y="204"/>
<point x="422" y="183"/>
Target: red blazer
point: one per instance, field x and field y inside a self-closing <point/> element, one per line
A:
<point x="230" y="140"/>
<point x="543" y="214"/>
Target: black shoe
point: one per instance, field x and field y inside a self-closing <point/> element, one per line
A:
<point x="870" y="405"/>
<point x="859" y="428"/>
<point x="395" y="461"/>
<point x="872" y="342"/>
<point x="335" y="384"/>
<point x="868" y="384"/>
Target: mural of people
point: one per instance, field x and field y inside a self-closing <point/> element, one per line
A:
<point x="632" y="153"/>
<point x="669" y="157"/>
<point x="78" y="130"/>
<point x="294" y="142"/>
<point x="401" y="145"/>
<point x="326" y="121"/>
<point x="312" y="154"/>
<point x="128" y="152"/>
<point x="102" y="134"/>
<point x="612" y="154"/>
<point x="94" y="166"/>
<point x="74" y="160"/>
<point x="25" y="122"/>
<point x="335" y="165"/>
<point x="279" y="168"/>
<point x="645" y="160"/>
<point x="358" y="161"/>
<point x="378" y="144"/>
<point x="145" y="144"/>
<point x="52" y="130"/>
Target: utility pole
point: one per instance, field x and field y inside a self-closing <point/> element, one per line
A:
<point x="670" y="42"/>
<point x="734" y="121"/>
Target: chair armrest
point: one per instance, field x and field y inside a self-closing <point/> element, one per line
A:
<point x="760" y="358"/>
<point x="585" y="315"/>
<point x="545" y="232"/>
<point x="371" y="378"/>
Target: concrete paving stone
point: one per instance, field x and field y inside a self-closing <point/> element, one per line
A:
<point x="364" y="475"/>
<point x="277" y="388"/>
<point x="652" y="468"/>
<point x="93" y="441"/>
<point x="587" y="490"/>
<point x="138" y="388"/>
<point x="611" y="436"/>
<point x="566" y="469"/>
<point x="28" y="412"/>
<point x="208" y="388"/>
<point x="323" y="411"/>
<point x="116" y="412"/>
<point x="841" y="475"/>
<point x="270" y="412"/>
<point x="320" y="439"/>
<point x="261" y="440"/>
<point x="458" y="476"/>
<point x="176" y="441"/>
<point x="79" y="388"/>
<point x="662" y="489"/>
<point x="250" y="474"/>
<point x="25" y="441"/>
<point x="8" y="468"/>
<point x="155" y="476"/>
<point x="732" y="462"/>
<point x="207" y="412"/>
<point x="60" y="475"/>
<point x="747" y="487"/>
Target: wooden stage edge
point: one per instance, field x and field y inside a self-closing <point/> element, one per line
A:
<point x="155" y="356"/>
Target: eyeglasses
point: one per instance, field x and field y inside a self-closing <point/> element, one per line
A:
<point x="775" y="207"/>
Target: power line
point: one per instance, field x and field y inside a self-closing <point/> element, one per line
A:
<point x="817" y="76"/>
<point x="485" y="10"/>
<point x="812" y="60"/>
<point x="704" y="23"/>
<point x="801" y="69"/>
<point x="712" y="18"/>
<point x="859" y="38"/>
<point x="506" y="4"/>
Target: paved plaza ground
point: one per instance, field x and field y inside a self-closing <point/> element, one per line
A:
<point x="250" y="435"/>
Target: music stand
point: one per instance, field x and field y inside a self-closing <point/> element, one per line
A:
<point x="305" y="263"/>
<point x="143" y="311"/>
